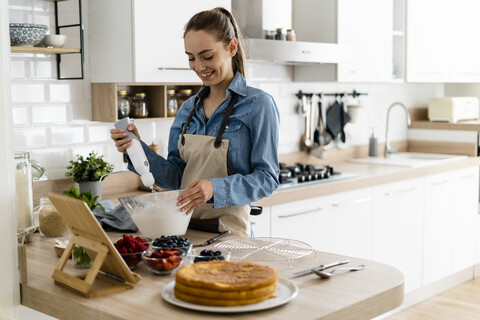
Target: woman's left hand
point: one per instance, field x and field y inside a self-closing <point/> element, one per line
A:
<point x="197" y="193"/>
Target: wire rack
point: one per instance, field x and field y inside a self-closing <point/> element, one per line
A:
<point x="266" y="249"/>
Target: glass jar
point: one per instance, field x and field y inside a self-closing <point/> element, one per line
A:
<point x="51" y="223"/>
<point x="24" y="190"/>
<point x="139" y="106"/>
<point x="279" y="35"/>
<point x="183" y="96"/>
<point x="172" y="103"/>
<point x="123" y="105"/>
<point x="291" y="35"/>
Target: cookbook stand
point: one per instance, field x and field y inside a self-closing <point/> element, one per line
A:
<point x="107" y="267"/>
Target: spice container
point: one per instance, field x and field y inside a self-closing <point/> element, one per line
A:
<point x="139" y="106"/>
<point x="183" y="96"/>
<point x="50" y="222"/>
<point x="279" y="35"/>
<point x="172" y="103"/>
<point x="123" y="105"/>
<point x="291" y="35"/>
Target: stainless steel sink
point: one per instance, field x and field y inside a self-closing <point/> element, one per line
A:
<point x="410" y="159"/>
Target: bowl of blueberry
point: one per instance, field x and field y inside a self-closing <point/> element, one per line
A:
<point x="213" y="254"/>
<point x="182" y="244"/>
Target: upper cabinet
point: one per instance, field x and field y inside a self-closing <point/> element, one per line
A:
<point x="363" y="30"/>
<point x="441" y="41"/>
<point x="142" y="40"/>
<point x="365" y="35"/>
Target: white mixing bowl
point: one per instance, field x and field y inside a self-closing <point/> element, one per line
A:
<point x="157" y="214"/>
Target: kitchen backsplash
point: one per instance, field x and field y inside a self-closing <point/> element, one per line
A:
<point x="52" y="118"/>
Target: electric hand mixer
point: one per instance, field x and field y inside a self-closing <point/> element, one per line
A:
<point x="137" y="155"/>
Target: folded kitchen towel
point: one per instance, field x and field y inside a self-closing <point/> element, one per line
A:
<point x="114" y="217"/>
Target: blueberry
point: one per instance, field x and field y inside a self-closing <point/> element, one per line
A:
<point x="217" y="253"/>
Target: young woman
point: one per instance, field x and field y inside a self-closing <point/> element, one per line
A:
<point x="223" y="142"/>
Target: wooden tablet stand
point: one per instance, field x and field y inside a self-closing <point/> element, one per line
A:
<point x="107" y="267"/>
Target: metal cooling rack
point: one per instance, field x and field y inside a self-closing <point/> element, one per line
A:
<point x="266" y="249"/>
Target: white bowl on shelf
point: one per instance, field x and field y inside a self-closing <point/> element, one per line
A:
<point x="54" y="40"/>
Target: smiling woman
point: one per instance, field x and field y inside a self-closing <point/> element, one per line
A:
<point x="223" y="144"/>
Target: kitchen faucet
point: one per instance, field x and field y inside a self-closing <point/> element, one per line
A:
<point x="389" y="150"/>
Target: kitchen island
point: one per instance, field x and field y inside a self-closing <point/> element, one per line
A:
<point x="355" y="295"/>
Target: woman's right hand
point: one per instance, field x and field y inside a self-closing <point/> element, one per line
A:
<point x="119" y="136"/>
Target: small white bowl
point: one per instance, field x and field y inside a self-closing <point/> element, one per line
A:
<point x="54" y="40"/>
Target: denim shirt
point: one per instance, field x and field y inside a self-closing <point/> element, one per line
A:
<point x="252" y="132"/>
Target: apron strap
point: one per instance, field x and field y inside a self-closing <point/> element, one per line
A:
<point x="226" y="117"/>
<point x="187" y="123"/>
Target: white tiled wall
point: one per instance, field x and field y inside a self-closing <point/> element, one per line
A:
<point x="52" y="118"/>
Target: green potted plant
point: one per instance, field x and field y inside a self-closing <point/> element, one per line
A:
<point x="88" y="171"/>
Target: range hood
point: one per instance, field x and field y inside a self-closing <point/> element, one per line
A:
<point x="291" y="52"/>
<point x="255" y="17"/>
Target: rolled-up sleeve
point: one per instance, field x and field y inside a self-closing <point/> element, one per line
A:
<point x="262" y="180"/>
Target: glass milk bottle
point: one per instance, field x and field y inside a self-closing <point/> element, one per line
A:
<point x="24" y="190"/>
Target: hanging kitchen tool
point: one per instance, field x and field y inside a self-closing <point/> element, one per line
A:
<point x="321" y="136"/>
<point x="337" y="118"/>
<point x="301" y="103"/>
<point x="307" y="142"/>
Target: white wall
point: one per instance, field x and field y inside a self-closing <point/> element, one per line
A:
<point x="52" y="117"/>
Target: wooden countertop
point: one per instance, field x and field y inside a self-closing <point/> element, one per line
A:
<point x="355" y="295"/>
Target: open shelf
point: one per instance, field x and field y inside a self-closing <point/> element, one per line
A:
<point x="15" y="49"/>
<point x="104" y="98"/>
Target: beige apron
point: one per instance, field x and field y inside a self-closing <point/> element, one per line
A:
<point x="206" y="158"/>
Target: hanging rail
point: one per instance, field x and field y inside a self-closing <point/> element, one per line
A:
<point x="354" y="94"/>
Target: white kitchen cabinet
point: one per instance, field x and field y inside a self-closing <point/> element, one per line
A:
<point x="142" y="40"/>
<point x="365" y="35"/>
<point x="464" y="217"/>
<point x="340" y="223"/>
<point x="441" y="44"/>
<point x="451" y="208"/>
<point x="397" y="227"/>
<point x="362" y="28"/>
<point x="261" y="223"/>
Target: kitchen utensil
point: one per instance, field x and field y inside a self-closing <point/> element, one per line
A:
<point x="324" y="138"/>
<point x="54" y="40"/>
<point x="137" y="155"/>
<point x="212" y="240"/>
<point x="266" y="249"/>
<point x="327" y="275"/>
<point x="157" y="214"/>
<point x="27" y="34"/>
<point x="337" y="118"/>
<point x="322" y="267"/>
<point x="307" y="142"/>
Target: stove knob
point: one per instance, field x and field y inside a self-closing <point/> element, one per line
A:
<point x="300" y="178"/>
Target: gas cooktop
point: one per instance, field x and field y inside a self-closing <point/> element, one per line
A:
<point x="306" y="174"/>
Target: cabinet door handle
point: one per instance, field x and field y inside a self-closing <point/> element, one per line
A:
<point x="467" y="177"/>
<point x="173" y="69"/>
<point x="438" y="183"/>
<point x="299" y="213"/>
<point x="356" y="201"/>
<point x="400" y="191"/>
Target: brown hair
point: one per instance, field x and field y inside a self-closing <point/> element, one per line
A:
<point x="220" y="23"/>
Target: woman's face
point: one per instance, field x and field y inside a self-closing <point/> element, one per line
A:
<point x="210" y="60"/>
